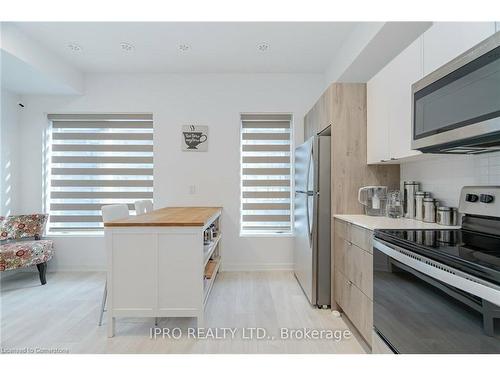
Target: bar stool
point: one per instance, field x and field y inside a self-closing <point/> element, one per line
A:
<point x="143" y="207"/>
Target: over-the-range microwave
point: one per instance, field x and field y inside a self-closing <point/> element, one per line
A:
<point x="456" y="109"/>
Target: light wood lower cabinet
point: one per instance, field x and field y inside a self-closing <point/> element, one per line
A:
<point x="355" y="304"/>
<point x="361" y="237"/>
<point x="353" y="275"/>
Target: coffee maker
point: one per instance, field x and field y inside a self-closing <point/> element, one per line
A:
<point x="374" y="198"/>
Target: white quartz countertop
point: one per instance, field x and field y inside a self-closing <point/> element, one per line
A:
<point x="383" y="222"/>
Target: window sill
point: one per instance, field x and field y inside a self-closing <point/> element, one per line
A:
<point x="266" y="235"/>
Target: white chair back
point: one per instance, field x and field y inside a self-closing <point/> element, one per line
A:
<point x="143" y="207"/>
<point x="114" y="212"/>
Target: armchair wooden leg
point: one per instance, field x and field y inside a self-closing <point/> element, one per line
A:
<point x="42" y="269"/>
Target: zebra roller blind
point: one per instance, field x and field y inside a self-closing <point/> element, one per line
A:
<point x="97" y="159"/>
<point x="266" y="169"/>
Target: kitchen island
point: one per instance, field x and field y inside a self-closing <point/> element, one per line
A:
<point x="159" y="264"/>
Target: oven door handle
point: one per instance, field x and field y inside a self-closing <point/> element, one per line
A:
<point x="445" y="274"/>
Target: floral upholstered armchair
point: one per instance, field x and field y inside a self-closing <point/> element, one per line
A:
<point x="21" y="243"/>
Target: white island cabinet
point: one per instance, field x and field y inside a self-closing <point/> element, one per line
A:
<point x="158" y="264"/>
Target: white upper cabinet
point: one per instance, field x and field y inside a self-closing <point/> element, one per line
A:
<point x="389" y="96"/>
<point x="377" y="129"/>
<point x="389" y="107"/>
<point x="446" y="40"/>
<point x="405" y="69"/>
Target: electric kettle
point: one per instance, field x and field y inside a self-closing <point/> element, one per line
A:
<point x="374" y="198"/>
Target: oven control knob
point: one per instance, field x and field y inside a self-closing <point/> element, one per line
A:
<point x="471" y="198"/>
<point x="486" y="198"/>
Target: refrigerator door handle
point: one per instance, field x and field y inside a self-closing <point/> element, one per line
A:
<point x="309" y="193"/>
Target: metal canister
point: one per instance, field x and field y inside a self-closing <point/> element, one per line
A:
<point x="446" y="215"/>
<point x="409" y="190"/>
<point x="447" y="237"/>
<point x="430" y="238"/>
<point x="419" y="237"/>
<point x="419" y="204"/>
<point x="430" y="205"/>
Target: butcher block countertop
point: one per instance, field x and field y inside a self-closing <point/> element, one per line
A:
<point x="170" y="217"/>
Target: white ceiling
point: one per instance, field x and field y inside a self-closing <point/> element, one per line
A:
<point x="215" y="47"/>
<point x="22" y="78"/>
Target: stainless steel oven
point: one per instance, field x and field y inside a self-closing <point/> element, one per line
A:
<point x="438" y="291"/>
<point x="456" y="109"/>
<point x="416" y="312"/>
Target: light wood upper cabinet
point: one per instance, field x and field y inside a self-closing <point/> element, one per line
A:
<point x="308" y="125"/>
<point x="446" y="40"/>
<point x="318" y="118"/>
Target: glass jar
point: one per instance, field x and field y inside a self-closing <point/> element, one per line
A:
<point x="394" y="204"/>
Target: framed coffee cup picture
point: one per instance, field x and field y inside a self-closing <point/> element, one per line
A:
<point x="195" y="138"/>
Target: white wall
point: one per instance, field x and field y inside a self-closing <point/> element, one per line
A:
<point x="444" y="175"/>
<point x="28" y="67"/>
<point x="9" y="153"/>
<point x="369" y="48"/>
<point x="207" y="99"/>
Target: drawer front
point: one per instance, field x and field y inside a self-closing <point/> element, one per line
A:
<point x="358" y="268"/>
<point x="339" y="250"/>
<point x="341" y="229"/>
<point x="356" y="264"/>
<point x="361" y="237"/>
<point x="357" y="306"/>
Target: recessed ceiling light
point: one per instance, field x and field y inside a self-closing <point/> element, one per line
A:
<point x="263" y="47"/>
<point x="184" y="47"/>
<point x="127" y="47"/>
<point x="74" y="47"/>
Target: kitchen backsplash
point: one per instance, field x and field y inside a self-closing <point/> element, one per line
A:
<point x="444" y="175"/>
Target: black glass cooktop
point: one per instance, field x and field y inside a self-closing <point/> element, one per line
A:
<point x="468" y="251"/>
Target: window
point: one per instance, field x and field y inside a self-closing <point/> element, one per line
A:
<point x="266" y="169"/>
<point x="97" y="160"/>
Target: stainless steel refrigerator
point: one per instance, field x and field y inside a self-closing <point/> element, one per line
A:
<point x="312" y="207"/>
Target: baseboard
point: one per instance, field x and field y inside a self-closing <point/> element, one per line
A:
<point x="228" y="267"/>
<point x="231" y="267"/>
<point x="6" y="275"/>
<point x="76" y="268"/>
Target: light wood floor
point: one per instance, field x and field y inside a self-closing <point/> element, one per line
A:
<point x="63" y="314"/>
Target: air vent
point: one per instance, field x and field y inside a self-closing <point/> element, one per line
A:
<point x="469" y="150"/>
<point x="441" y="267"/>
